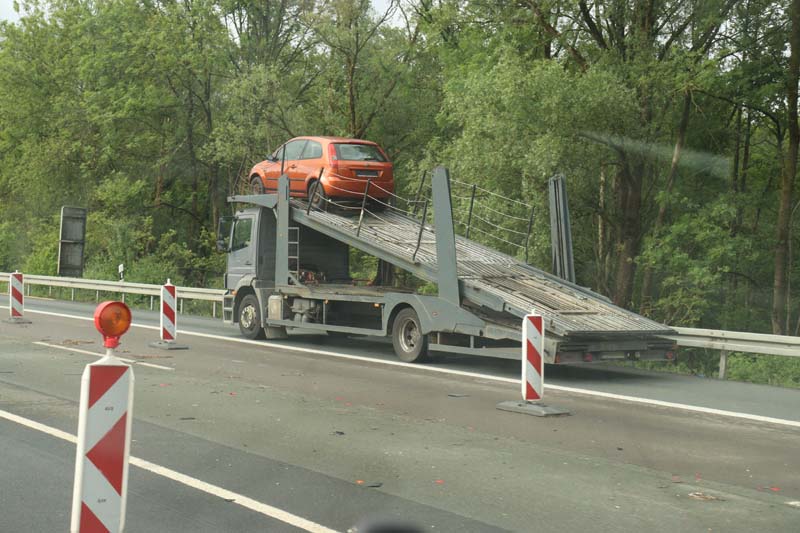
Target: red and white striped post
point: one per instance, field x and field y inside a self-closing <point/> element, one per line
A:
<point x="169" y="319"/>
<point x="532" y="352"/>
<point x="16" y="298"/>
<point x="532" y="382"/>
<point x="168" y="314"/>
<point x="104" y="432"/>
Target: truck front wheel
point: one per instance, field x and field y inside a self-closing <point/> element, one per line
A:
<point x="410" y="344"/>
<point x="250" y="318"/>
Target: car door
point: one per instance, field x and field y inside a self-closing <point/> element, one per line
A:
<point x="242" y="254"/>
<point x="309" y="164"/>
<point x="289" y="153"/>
<point x="294" y="150"/>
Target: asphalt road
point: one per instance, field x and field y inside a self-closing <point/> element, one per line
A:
<point x="308" y="433"/>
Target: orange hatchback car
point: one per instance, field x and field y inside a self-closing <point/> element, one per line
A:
<point x="342" y="166"/>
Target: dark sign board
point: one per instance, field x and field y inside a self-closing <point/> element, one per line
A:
<point x="71" y="244"/>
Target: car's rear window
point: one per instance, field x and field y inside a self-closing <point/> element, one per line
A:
<point x="358" y="152"/>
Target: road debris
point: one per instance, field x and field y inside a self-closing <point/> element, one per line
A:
<point x="704" y="497"/>
<point x="457" y="395"/>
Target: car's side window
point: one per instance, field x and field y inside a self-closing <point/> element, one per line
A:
<point x="241" y="233"/>
<point x="294" y="149"/>
<point x="313" y="150"/>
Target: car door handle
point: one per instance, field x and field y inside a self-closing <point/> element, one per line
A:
<point x="248" y="262"/>
<point x="292" y="166"/>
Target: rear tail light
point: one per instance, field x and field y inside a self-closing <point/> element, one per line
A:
<point x="588" y="357"/>
<point x="333" y="157"/>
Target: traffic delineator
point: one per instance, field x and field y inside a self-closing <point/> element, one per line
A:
<point x="16" y="298"/>
<point x="532" y="380"/>
<point x="104" y="432"/>
<point x="532" y="351"/>
<point x="168" y="319"/>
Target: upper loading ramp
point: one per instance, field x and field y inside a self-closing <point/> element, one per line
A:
<point x="487" y="278"/>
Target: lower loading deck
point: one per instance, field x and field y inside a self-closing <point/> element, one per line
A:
<point x="332" y="308"/>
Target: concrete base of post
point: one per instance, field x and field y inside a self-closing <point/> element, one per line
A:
<point x="532" y="408"/>
<point x="168" y="345"/>
<point x="17" y="320"/>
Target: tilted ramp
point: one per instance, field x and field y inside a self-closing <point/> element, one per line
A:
<point x="488" y="279"/>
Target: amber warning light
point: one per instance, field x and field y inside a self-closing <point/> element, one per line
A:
<point x="112" y="320"/>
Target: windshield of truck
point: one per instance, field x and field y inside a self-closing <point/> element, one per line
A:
<point x="241" y="233"/>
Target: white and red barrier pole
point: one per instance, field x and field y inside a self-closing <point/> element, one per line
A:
<point x="104" y="432"/>
<point x="16" y="298"/>
<point x="169" y="319"/>
<point x="532" y="352"/>
<point x="532" y="382"/>
<point x="168" y="314"/>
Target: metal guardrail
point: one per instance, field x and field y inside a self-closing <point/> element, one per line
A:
<point x="725" y="341"/>
<point x="738" y="341"/>
<point x="122" y="287"/>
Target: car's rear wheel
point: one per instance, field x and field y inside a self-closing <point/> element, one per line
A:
<point x="256" y="185"/>
<point x="319" y="198"/>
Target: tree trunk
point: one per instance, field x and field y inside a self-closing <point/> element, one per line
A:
<point x="601" y="279"/>
<point x="782" y="259"/>
<point x="629" y="206"/>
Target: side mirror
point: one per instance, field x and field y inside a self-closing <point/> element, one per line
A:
<point x="272" y="158"/>
<point x="224" y="234"/>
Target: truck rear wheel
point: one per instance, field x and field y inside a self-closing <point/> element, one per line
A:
<point x="410" y="344"/>
<point x="250" y="318"/>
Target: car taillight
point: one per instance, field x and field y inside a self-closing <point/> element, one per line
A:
<point x="333" y="157"/>
<point x="588" y="357"/>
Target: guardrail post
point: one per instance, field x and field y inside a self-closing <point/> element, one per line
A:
<point x="72" y="295"/>
<point x="528" y="235"/>
<point x="363" y="206"/>
<point x="213" y="309"/>
<point x="419" y="191"/>
<point x="723" y="364"/>
<point x="314" y="188"/>
<point x="471" y="203"/>
<point x="421" y="227"/>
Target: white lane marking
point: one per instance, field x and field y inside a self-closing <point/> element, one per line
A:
<point x="685" y="407"/>
<point x="208" y="488"/>
<point x="476" y="375"/>
<point x="87" y="352"/>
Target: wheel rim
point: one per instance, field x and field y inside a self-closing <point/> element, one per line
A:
<point x="410" y="336"/>
<point x="256" y="187"/>
<point x="248" y="317"/>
